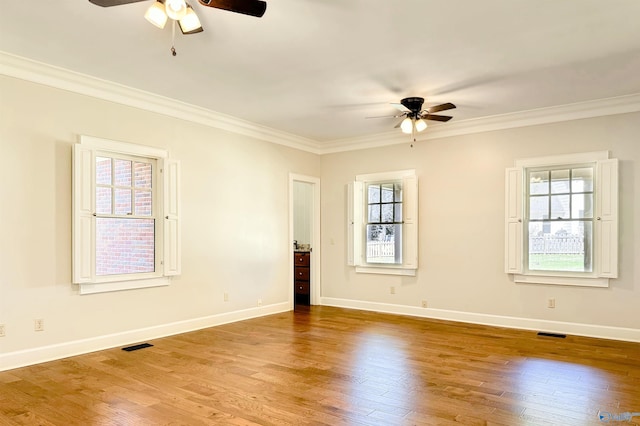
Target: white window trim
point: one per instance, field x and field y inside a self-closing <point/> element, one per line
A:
<point x="356" y="220"/>
<point x="168" y="240"/>
<point x="605" y="226"/>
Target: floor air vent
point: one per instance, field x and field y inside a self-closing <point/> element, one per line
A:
<point x="559" y="336"/>
<point x="136" y="347"/>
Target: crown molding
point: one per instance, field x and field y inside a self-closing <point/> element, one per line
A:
<point x="61" y="78"/>
<point x="576" y="111"/>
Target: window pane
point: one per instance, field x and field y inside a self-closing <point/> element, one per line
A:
<point x="124" y="246"/>
<point x="123" y="201"/>
<point x="384" y="244"/>
<point x="374" y="213"/>
<point x="560" y="182"/>
<point x="122" y="172"/>
<point x="539" y="208"/>
<point x="143" y="203"/>
<point x="103" y="171"/>
<point x="560" y="246"/>
<point x="375" y="232"/>
<point x="560" y="207"/>
<point x="387" y="213"/>
<point x="581" y="206"/>
<point x="103" y="200"/>
<point x="582" y="180"/>
<point x="374" y="194"/>
<point x="387" y="193"/>
<point x="142" y="172"/>
<point x="398" y="208"/>
<point x="539" y="182"/>
<point x="398" y="194"/>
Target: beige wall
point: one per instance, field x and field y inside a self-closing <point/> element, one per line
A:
<point x="234" y="219"/>
<point x="461" y="219"/>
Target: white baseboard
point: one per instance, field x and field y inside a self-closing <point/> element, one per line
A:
<point x="32" y="356"/>
<point x="577" y="329"/>
<point x="38" y="355"/>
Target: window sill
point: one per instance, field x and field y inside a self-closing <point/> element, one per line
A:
<point x="105" y="287"/>
<point x="385" y="270"/>
<point x="557" y="280"/>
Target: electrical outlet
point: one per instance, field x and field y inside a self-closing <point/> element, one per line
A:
<point x="2" y="330"/>
<point x="551" y="303"/>
<point x="259" y="302"/>
<point x="392" y="289"/>
<point x="38" y="325"/>
<point x="226" y="297"/>
<point x="424" y="303"/>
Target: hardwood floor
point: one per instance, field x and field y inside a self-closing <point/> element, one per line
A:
<point x="330" y="366"/>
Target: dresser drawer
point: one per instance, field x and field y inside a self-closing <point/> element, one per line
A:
<point x="302" y="287"/>
<point x="301" y="273"/>
<point x="301" y="259"/>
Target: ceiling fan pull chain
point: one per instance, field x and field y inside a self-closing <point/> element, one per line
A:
<point x="173" y="39"/>
<point x="413" y="131"/>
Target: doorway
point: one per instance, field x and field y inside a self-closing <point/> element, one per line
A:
<point x="304" y="231"/>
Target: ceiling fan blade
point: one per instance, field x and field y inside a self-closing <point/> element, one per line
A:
<point x="437" y="117"/>
<point x="400" y="107"/>
<point x="109" y="3"/>
<point x="246" y="7"/>
<point x="387" y="116"/>
<point x="439" y="108"/>
<point x="399" y="124"/>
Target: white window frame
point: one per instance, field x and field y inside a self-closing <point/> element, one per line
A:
<point x="605" y="231"/>
<point x="356" y="223"/>
<point x="167" y="216"/>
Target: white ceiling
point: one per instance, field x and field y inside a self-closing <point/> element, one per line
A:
<point x="317" y="68"/>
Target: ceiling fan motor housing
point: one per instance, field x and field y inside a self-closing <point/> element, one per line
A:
<point x="414" y="104"/>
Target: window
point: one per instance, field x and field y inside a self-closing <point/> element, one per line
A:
<point x="384" y="223"/>
<point x="561" y="220"/>
<point x="383" y="229"/>
<point x="125" y="216"/>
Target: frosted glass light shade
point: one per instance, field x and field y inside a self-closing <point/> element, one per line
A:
<point x="190" y="22"/>
<point x="175" y="9"/>
<point x="407" y="125"/>
<point x="156" y="15"/>
<point x="420" y="125"/>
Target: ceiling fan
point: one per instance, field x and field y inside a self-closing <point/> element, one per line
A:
<point x="246" y="7"/>
<point x="180" y="11"/>
<point x="415" y="116"/>
<point x="183" y="14"/>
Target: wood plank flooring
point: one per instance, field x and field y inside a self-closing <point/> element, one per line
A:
<point x="330" y="366"/>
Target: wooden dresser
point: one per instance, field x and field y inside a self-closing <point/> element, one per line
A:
<point x="301" y="280"/>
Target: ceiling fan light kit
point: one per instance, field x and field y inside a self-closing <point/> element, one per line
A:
<point x="414" y="116"/>
<point x="177" y="10"/>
